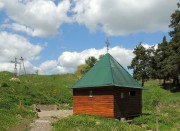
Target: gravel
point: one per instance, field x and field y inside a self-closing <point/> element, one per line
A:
<point x="43" y="123"/>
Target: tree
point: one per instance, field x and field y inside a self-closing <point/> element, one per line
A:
<point x="81" y="70"/>
<point x="91" y="61"/>
<point x="163" y="68"/>
<point x="174" y="59"/>
<point x="140" y="63"/>
<point x="101" y="56"/>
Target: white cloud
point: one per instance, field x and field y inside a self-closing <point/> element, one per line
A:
<point x="68" y="61"/>
<point x="122" y="55"/>
<point x="147" y="46"/>
<point x="61" y="70"/>
<point x="19" y="27"/>
<point x="73" y="59"/>
<point x="30" y="68"/>
<point x="48" y="66"/>
<point x="6" y="67"/>
<point x="123" y="17"/>
<point x="13" y="45"/>
<point x="37" y="17"/>
<point x="115" y="17"/>
<point x="1" y="4"/>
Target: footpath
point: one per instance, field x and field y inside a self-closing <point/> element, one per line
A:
<point x="43" y="123"/>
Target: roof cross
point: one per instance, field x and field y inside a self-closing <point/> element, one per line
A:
<point x="107" y="45"/>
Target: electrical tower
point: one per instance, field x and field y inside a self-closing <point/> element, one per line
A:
<point x="21" y="63"/>
<point x="15" y="65"/>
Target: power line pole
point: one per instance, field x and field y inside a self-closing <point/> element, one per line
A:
<point x="15" y="65"/>
<point x="22" y="62"/>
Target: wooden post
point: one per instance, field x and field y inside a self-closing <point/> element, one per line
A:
<point x="40" y="98"/>
<point x="157" y="121"/>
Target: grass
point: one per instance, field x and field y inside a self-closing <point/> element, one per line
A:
<point x="13" y="116"/>
<point x="31" y="89"/>
<point x="93" y="123"/>
<point x="155" y="99"/>
<point x="165" y="103"/>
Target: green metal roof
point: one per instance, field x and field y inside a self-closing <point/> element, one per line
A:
<point x="107" y="72"/>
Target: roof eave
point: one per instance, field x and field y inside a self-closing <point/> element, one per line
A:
<point x="93" y="86"/>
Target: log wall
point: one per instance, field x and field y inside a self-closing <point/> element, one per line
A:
<point x="101" y="102"/>
<point x="129" y="105"/>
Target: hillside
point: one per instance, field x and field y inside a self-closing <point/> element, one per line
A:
<point x="166" y="103"/>
<point x="31" y="89"/>
<point x="54" y="89"/>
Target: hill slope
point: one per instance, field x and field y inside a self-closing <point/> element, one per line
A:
<point x="31" y="89"/>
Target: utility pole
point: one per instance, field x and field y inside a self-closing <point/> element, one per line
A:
<point x="15" y="65"/>
<point x="22" y="62"/>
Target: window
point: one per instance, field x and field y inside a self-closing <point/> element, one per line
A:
<point x="132" y="93"/>
<point x="122" y="95"/>
<point x="90" y="93"/>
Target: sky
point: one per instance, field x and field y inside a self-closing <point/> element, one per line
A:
<point x="55" y="36"/>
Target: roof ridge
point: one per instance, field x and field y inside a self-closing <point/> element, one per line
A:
<point x="111" y="69"/>
<point x="125" y="70"/>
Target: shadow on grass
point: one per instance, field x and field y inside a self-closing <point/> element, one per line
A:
<point x="171" y="87"/>
<point x="145" y="114"/>
<point x="137" y="116"/>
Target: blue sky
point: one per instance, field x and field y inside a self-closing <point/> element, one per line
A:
<point x="56" y="36"/>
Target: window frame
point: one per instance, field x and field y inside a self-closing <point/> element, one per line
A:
<point x="90" y="93"/>
<point x="132" y="93"/>
<point x="122" y="95"/>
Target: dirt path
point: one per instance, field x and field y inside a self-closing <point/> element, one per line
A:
<point x="43" y="123"/>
